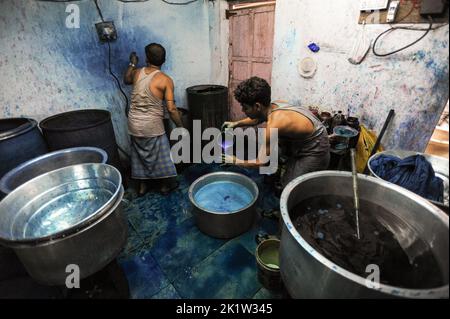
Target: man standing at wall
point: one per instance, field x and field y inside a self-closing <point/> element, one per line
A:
<point x="150" y="148"/>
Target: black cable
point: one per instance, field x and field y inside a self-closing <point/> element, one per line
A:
<point x="113" y="75"/>
<point x="116" y="78"/>
<point x="405" y="47"/>
<point x="109" y="62"/>
<point x="99" y="11"/>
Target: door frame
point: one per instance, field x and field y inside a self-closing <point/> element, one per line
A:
<point x="249" y="5"/>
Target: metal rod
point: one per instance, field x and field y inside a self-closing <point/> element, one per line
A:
<point x="378" y="142"/>
<point x="355" y="190"/>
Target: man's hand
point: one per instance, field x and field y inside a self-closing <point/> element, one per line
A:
<point x="228" y="159"/>
<point x="226" y="125"/>
<point x="134" y="59"/>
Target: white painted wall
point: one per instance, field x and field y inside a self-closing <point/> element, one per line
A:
<point x="413" y="82"/>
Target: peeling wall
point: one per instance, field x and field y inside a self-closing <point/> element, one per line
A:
<point x="414" y="82"/>
<point x="47" y="68"/>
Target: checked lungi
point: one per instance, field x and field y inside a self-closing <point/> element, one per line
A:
<point x="151" y="158"/>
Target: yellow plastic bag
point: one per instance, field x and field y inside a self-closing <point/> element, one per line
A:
<point x="366" y="142"/>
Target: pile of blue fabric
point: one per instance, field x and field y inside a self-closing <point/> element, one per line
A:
<point x="414" y="173"/>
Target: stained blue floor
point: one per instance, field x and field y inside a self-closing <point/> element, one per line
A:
<point x="167" y="257"/>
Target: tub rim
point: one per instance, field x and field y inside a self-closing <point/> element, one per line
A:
<point x="438" y="292"/>
<point x="19" y="130"/>
<point x="5" y="188"/>
<point x="98" y="214"/>
<point x="202" y="178"/>
<point x="43" y="125"/>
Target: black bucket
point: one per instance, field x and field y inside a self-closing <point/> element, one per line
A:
<point x="20" y="141"/>
<point x="82" y="128"/>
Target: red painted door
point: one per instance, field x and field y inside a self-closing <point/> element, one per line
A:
<point x="250" y="53"/>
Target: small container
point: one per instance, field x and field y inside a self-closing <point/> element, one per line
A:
<point x="326" y="120"/>
<point x="268" y="261"/>
<point x="353" y="122"/>
<point x="338" y="120"/>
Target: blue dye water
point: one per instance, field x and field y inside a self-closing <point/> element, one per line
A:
<point x="65" y="211"/>
<point x="223" y="197"/>
<point x="344" y="131"/>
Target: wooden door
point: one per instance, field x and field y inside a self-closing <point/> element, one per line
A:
<point x="250" y="53"/>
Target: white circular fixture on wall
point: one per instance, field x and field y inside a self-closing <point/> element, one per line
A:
<point x="307" y="67"/>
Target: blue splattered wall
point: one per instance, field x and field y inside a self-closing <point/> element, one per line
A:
<point x="46" y="68"/>
<point x="414" y="82"/>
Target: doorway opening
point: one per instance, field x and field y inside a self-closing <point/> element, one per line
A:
<point x="250" y="45"/>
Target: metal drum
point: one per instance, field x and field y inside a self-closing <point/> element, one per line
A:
<point x="232" y="223"/>
<point x="20" y="140"/>
<point x="70" y="216"/>
<point x="308" y="274"/>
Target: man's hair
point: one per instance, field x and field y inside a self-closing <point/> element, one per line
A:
<point x="156" y="54"/>
<point x="253" y="90"/>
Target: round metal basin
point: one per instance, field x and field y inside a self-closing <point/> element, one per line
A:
<point x="308" y="274"/>
<point x="50" y="162"/>
<point x="439" y="164"/>
<point x="70" y="216"/>
<point x="229" y="223"/>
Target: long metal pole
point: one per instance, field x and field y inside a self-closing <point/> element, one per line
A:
<point x="355" y="190"/>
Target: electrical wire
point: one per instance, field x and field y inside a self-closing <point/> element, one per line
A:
<point x="113" y="75"/>
<point x="430" y="28"/>
<point x="405" y="16"/>
<point x="99" y="11"/>
<point x="109" y="61"/>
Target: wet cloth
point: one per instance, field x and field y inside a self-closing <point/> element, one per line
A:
<point x="147" y="112"/>
<point x="414" y="173"/>
<point x="151" y="158"/>
<point x="305" y="155"/>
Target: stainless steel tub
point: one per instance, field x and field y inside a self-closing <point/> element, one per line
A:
<point x="308" y="274"/>
<point x="440" y="166"/>
<point x="221" y="225"/>
<point x="50" y="162"/>
<point x="72" y="215"/>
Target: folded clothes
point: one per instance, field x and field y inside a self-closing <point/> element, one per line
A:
<point x="414" y="173"/>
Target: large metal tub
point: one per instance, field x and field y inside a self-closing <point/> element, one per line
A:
<point x="308" y="274"/>
<point x="439" y="164"/>
<point x="221" y="225"/>
<point x="72" y="215"/>
<point x="50" y="162"/>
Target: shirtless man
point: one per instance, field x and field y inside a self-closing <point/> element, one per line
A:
<point x="303" y="138"/>
<point x="150" y="148"/>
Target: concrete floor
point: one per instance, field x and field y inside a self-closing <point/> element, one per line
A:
<point x="168" y="257"/>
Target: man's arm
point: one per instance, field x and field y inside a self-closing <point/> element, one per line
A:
<point x="131" y="70"/>
<point x="263" y="156"/>
<point x="247" y="122"/>
<point x="171" y="107"/>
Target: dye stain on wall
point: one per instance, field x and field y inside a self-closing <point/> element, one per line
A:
<point x="47" y="68"/>
<point x="414" y="82"/>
